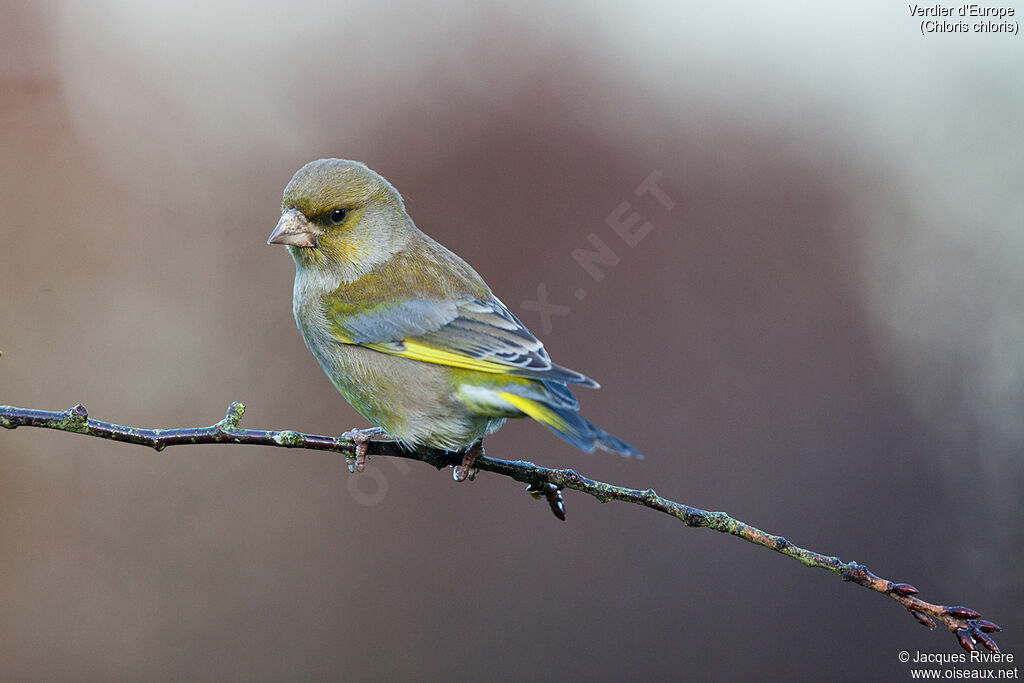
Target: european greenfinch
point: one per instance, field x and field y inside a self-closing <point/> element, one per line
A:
<point x="406" y="330"/>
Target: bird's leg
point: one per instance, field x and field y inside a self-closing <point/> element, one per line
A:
<point x="360" y="437"/>
<point x="466" y="469"/>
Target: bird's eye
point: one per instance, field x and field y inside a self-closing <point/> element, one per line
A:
<point x="338" y="215"/>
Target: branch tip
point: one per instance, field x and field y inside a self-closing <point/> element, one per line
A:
<point x="985" y="640"/>
<point x="962" y="613"/>
<point x="966" y="641"/>
<point x="923" y="618"/>
<point x="234" y="415"/>
<point x="986" y="626"/>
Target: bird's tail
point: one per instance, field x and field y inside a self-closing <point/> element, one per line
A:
<point x="571" y="426"/>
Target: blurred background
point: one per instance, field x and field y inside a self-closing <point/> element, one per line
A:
<point x="823" y="336"/>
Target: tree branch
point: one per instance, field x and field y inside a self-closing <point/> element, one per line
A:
<point x="542" y="482"/>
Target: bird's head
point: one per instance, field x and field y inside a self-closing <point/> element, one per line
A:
<point x="339" y="214"/>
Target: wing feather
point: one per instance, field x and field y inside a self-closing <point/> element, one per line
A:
<point x="468" y="333"/>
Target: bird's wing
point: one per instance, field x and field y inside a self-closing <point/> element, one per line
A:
<point x="468" y="333"/>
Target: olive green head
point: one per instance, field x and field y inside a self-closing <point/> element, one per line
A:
<point x="337" y="212"/>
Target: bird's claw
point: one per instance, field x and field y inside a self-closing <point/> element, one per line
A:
<point x="357" y="462"/>
<point x="552" y="494"/>
<point x="465" y="470"/>
<point x="361" y="438"/>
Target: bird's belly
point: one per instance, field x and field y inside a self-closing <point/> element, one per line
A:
<point x="409" y="399"/>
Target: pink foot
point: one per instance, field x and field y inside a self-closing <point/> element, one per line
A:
<point x="360" y="437"/>
<point x="466" y="469"/>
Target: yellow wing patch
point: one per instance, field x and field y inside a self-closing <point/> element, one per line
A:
<point x="415" y="350"/>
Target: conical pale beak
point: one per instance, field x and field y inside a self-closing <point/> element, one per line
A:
<point x="294" y="229"/>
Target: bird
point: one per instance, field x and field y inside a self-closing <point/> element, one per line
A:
<point x="409" y="334"/>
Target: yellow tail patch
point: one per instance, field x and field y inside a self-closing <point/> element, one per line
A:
<point x="537" y="410"/>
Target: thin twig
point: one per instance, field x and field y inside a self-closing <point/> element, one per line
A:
<point x="542" y="482"/>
